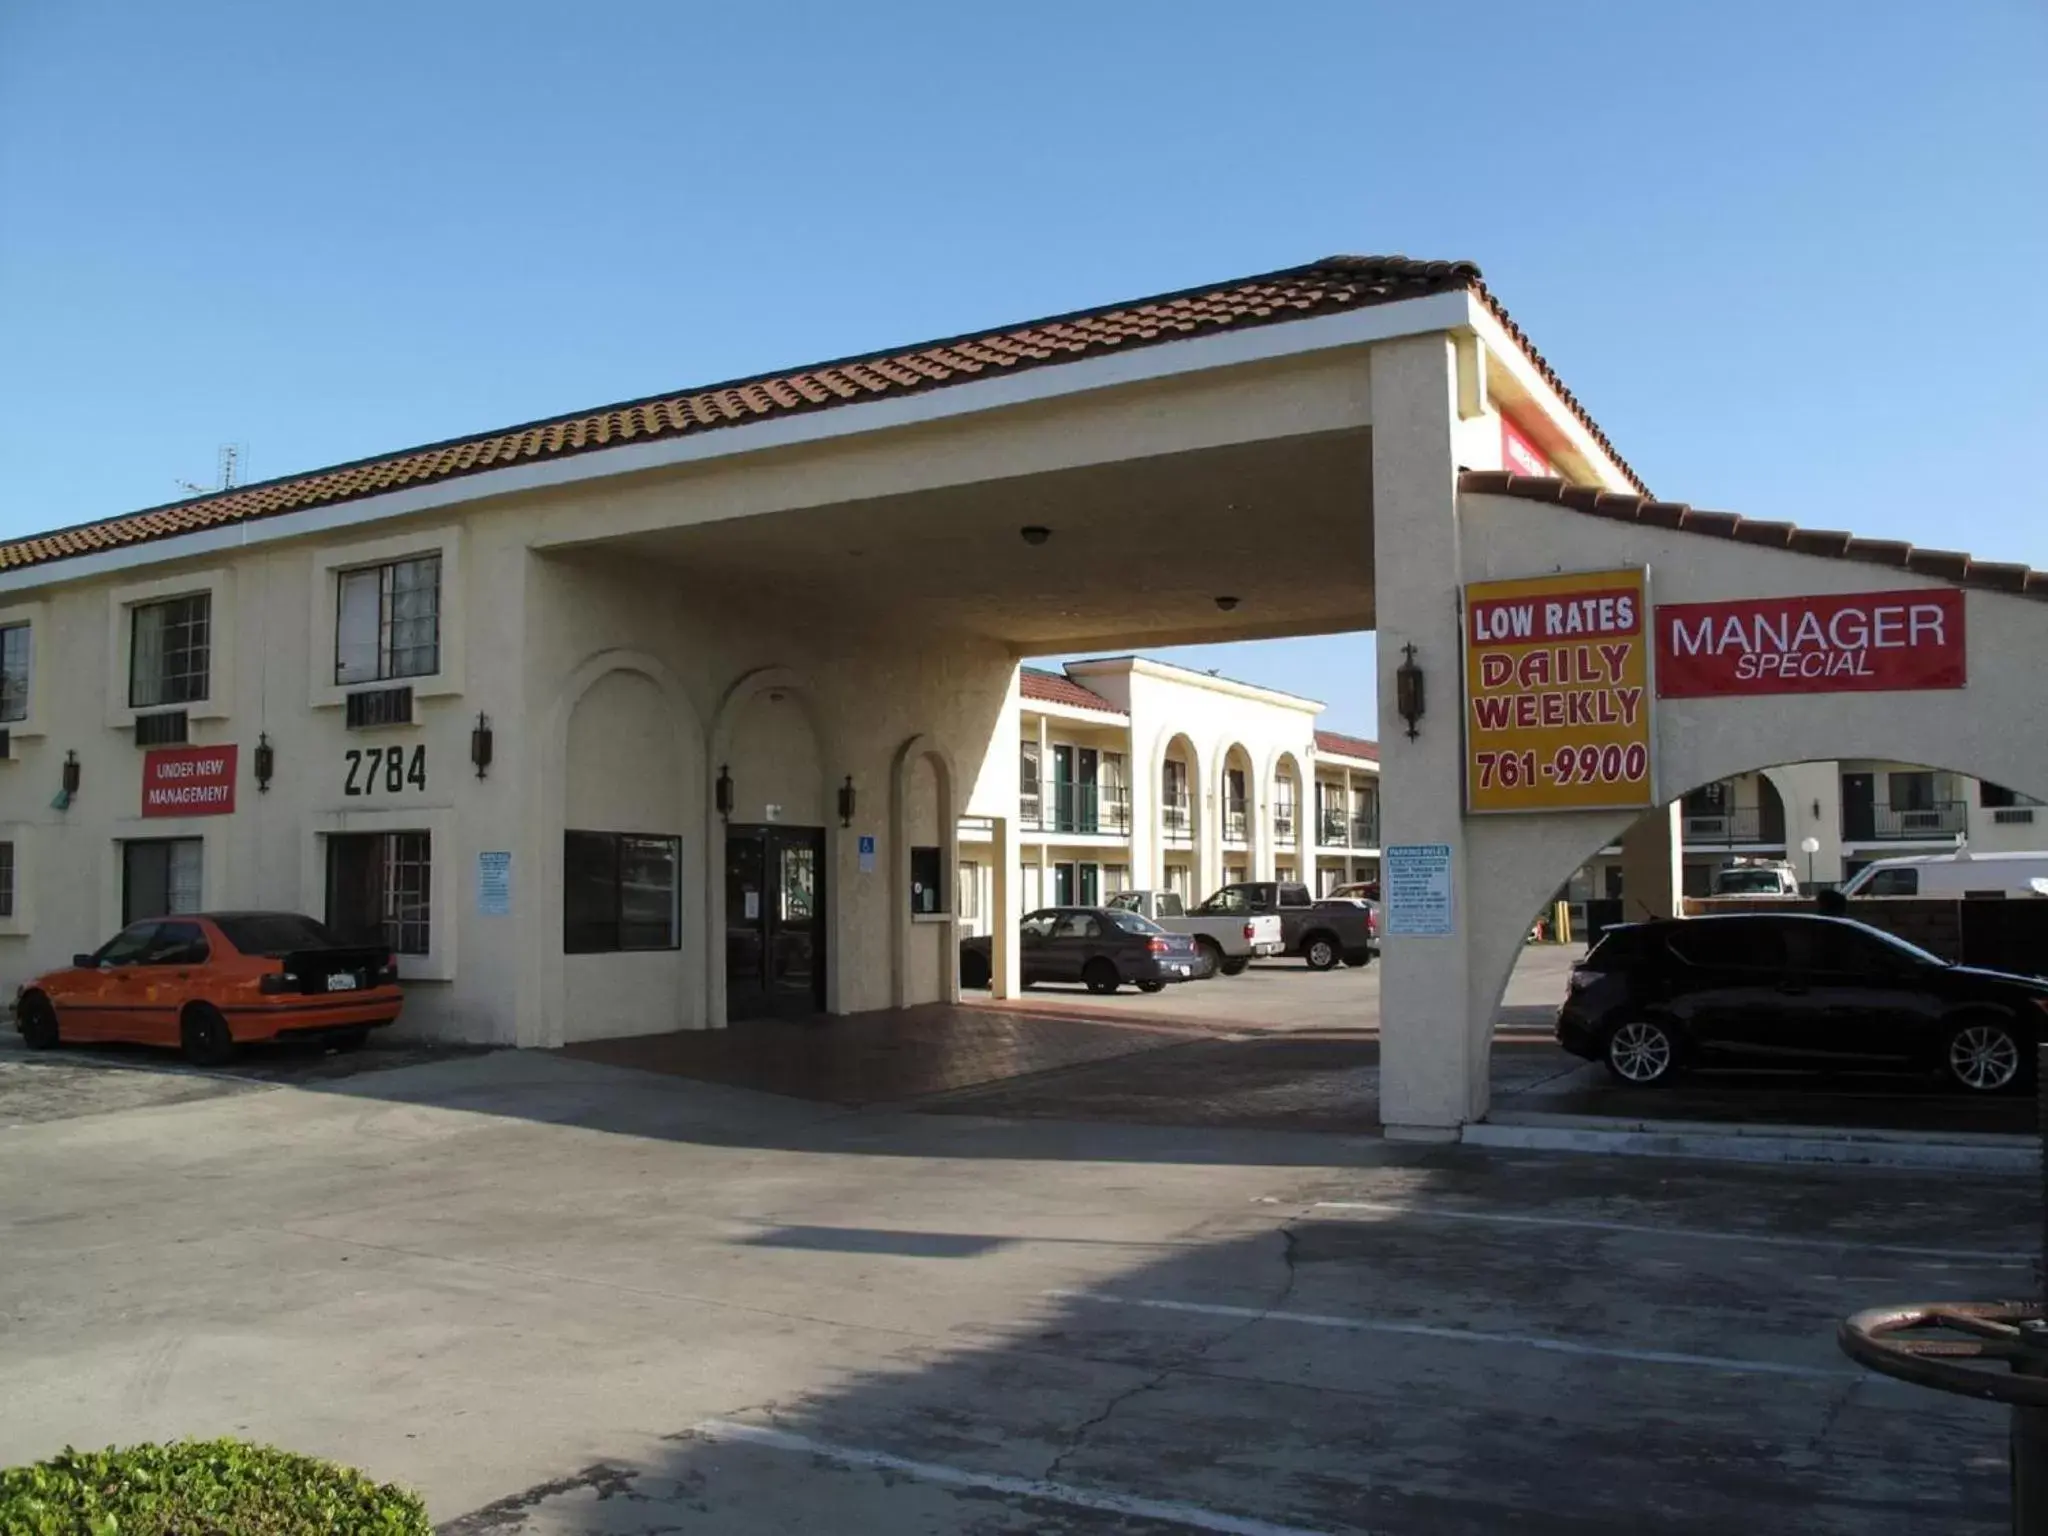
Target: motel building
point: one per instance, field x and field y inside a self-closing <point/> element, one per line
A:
<point x="1134" y="773"/>
<point x="669" y="714"/>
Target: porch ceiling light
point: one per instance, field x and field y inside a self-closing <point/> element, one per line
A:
<point x="1408" y="689"/>
<point x="1226" y="603"/>
<point x="1034" y="534"/>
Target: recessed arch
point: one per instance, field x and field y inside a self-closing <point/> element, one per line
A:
<point x="542" y="964"/>
<point x="910" y="818"/>
<point x="1285" y="766"/>
<point x="1238" y="798"/>
<point x="1182" y="825"/>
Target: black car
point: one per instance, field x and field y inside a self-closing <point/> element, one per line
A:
<point x="1094" y="945"/>
<point x="1653" y="998"/>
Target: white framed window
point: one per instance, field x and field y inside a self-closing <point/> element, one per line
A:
<point x="15" y="661"/>
<point x="968" y="904"/>
<point x="387" y="610"/>
<point x="161" y="876"/>
<point x="380" y="889"/>
<point x="170" y="651"/>
<point x="387" y="621"/>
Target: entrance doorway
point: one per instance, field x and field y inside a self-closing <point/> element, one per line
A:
<point x="774" y="922"/>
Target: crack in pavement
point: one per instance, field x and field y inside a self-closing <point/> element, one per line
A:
<point x="1181" y="1359"/>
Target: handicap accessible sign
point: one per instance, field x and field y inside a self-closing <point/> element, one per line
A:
<point x="1417" y="889"/>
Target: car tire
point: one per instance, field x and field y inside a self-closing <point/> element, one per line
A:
<point x="349" y="1039"/>
<point x="1321" y="952"/>
<point x="1642" y="1053"/>
<point x="37" y="1021"/>
<point x="1358" y="959"/>
<point x="205" y="1038"/>
<point x="1151" y="986"/>
<point x="1235" y="967"/>
<point x="974" y="969"/>
<point x="1210" y="959"/>
<point x="1100" y="977"/>
<point x="1983" y="1054"/>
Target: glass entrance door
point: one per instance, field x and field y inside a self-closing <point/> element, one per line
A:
<point x="774" y="922"/>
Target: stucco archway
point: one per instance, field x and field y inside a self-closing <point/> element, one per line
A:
<point x="1182" y="826"/>
<point x="923" y="802"/>
<point x="543" y="964"/>
<point x="1238" y="800"/>
<point x="776" y="686"/>
<point x="1298" y="842"/>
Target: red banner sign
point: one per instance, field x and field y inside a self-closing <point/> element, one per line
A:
<point x="188" y="781"/>
<point x="1518" y="455"/>
<point x="1857" y="642"/>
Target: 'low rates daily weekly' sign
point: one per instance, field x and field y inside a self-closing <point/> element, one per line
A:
<point x="1557" y="693"/>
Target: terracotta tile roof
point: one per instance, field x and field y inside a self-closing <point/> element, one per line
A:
<point x="1340" y="745"/>
<point x="1948" y="564"/>
<point x="1330" y="286"/>
<point x="1058" y="688"/>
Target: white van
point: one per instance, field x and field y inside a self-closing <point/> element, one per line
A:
<point x="1954" y="874"/>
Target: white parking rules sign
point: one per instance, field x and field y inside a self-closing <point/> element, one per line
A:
<point x="1417" y="889"/>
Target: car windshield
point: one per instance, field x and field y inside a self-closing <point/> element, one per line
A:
<point x="1127" y="902"/>
<point x="1738" y="882"/>
<point x="1130" y="922"/>
<point x="274" y="933"/>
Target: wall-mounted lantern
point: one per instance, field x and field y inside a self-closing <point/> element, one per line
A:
<point x="724" y="791"/>
<point x="480" y="744"/>
<point x="846" y="802"/>
<point x="69" y="783"/>
<point x="265" y="758"/>
<point x="1408" y="689"/>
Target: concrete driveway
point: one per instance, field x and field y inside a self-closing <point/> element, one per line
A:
<point x="560" y="1297"/>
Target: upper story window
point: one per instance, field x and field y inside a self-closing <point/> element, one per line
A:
<point x="387" y="621"/>
<point x="171" y="650"/>
<point x="14" y="661"/>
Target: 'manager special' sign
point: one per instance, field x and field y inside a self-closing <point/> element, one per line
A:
<point x="1557" y="693"/>
<point x="188" y="781"/>
<point x="1859" y="642"/>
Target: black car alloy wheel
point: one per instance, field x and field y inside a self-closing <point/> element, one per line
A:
<point x="38" y="1022"/>
<point x="1982" y="1055"/>
<point x="1641" y="1052"/>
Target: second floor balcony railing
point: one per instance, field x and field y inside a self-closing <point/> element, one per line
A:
<point x="1334" y="829"/>
<point x="1175" y="819"/>
<point x="1237" y="822"/>
<point x="1901" y="824"/>
<point x="1737" y="824"/>
<point x="1283" y="825"/>
<point x="1076" y="805"/>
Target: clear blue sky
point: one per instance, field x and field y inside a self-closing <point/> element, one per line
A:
<point x="1790" y="256"/>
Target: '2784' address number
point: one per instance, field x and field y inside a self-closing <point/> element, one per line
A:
<point x="387" y="768"/>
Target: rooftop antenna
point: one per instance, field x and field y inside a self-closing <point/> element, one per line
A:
<point x="229" y="472"/>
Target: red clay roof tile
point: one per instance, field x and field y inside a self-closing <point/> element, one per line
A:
<point x="1949" y="564"/>
<point x="1340" y="745"/>
<point x="1330" y="286"/>
<point x="1058" y="688"/>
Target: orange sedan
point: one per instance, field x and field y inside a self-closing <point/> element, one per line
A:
<point x="208" y="982"/>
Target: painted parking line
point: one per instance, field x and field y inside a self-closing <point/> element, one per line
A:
<point x="1468" y="1336"/>
<point x="1101" y="1501"/>
<point x="1698" y="1234"/>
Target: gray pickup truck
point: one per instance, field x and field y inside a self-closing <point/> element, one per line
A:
<point x="1320" y="932"/>
<point x="1228" y="943"/>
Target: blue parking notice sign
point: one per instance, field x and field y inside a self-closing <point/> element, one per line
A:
<point x="1417" y="890"/>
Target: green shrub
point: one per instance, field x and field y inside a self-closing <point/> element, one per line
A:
<point x="201" y="1488"/>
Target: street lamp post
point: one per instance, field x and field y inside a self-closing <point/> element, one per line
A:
<point x="1809" y="846"/>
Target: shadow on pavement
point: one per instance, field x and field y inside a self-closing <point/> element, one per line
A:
<point x="1390" y="1373"/>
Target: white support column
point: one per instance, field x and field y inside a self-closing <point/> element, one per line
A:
<point x="1005" y="909"/>
<point x="1653" y="866"/>
<point x="1433" y="1072"/>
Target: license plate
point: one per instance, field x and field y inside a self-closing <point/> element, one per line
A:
<point x="343" y="981"/>
<point x="1180" y="970"/>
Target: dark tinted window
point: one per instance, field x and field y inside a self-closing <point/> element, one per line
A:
<point x="1893" y="882"/>
<point x="619" y="892"/>
<point x="1729" y="943"/>
<point x="1131" y="922"/>
<point x="1851" y="951"/>
<point x="1295" y="896"/>
<point x="177" y="944"/>
<point x="127" y="946"/>
<point x="1225" y="902"/>
<point x="1618" y="949"/>
<point x="274" y="933"/>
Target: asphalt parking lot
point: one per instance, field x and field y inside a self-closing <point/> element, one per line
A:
<point x="563" y="1297"/>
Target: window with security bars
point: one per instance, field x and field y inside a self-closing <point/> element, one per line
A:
<point x="14" y="662"/>
<point x="380" y="889"/>
<point x="387" y="621"/>
<point x="170" y="649"/>
<point x="160" y="876"/>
